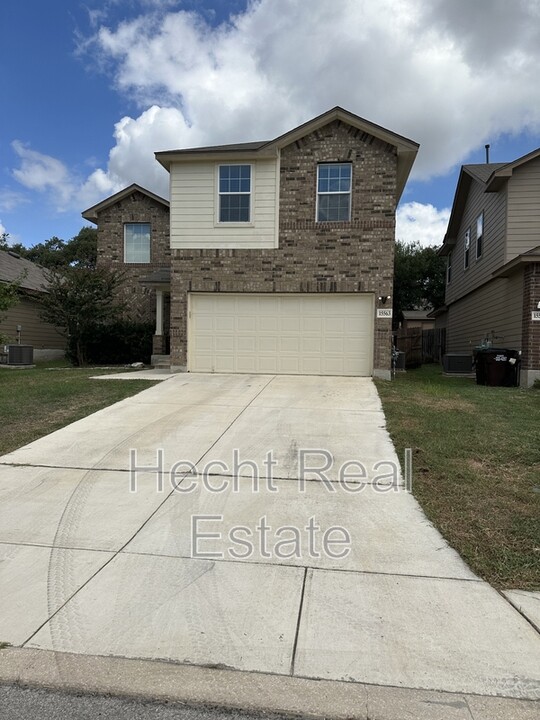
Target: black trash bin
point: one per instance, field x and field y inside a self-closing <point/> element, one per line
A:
<point x="498" y="367"/>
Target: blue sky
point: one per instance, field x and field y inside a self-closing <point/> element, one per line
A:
<point x="91" y="89"/>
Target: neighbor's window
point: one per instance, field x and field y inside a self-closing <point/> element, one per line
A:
<point x="479" y="235"/>
<point x="137" y="242"/>
<point x="467" y="247"/>
<point x="449" y="268"/>
<point x="234" y="193"/>
<point x="334" y="192"/>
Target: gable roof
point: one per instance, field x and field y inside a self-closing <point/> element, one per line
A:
<point x="480" y="173"/>
<point x="92" y="213"/>
<point x="406" y="149"/>
<point x="493" y="176"/>
<point x="14" y="268"/>
<point x="505" y="170"/>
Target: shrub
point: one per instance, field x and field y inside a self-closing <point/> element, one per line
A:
<point x="116" y="343"/>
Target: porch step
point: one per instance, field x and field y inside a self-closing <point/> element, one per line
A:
<point x="160" y="361"/>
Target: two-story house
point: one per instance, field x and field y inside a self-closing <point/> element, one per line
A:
<point x="281" y="252"/>
<point x="492" y="247"/>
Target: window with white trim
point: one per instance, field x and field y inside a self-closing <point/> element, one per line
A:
<point x="137" y="242"/>
<point x="479" y="235"/>
<point x="467" y="248"/>
<point x="334" y="182"/>
<point x="234" y="189"/>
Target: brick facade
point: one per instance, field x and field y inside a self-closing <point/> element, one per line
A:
<point x="355" y="256"/>
<point x="137" y="207"/>
<point x="530" y="351"/>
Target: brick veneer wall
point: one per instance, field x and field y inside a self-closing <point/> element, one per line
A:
<point x="530" y="349"/>
<point x="355" y="256"/>
<point x="137" y="207"/>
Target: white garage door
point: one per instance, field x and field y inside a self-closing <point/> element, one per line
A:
<point x="312" y="334"/>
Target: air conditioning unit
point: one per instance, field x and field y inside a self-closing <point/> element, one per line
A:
<point x="19" y="354"/>
<point x="460" y="363"/>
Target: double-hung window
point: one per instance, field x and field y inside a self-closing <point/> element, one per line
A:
<point x="467" y="248"/>
<point x="479" y="235"/>
<point x="234" y="192"/>
<point x="334" y="182"/>
<point x="137" y="242"/>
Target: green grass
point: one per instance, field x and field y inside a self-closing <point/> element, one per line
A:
<point x="36" y="402"/>
<point x="476" y="467"/>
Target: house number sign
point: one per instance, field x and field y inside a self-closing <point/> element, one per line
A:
<point x="536" y="315"/>
<point x="386" y="313"/>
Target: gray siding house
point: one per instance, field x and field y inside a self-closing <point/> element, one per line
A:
<point x="280" y="253"/>
<point x="492" y="247"/>
<point x="22" y="322"/>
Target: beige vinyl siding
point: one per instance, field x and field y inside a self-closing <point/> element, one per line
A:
<point x="523" y="225"/>
<point x="34" y="331"/>
<point x="194" y="212"/>
<point x="495" y="308"/>
<point x="479" y="271"/>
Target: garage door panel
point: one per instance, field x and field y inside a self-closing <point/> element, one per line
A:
<point x="329" y="334"/>
<point x="268" y="323"/>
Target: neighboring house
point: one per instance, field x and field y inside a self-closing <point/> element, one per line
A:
<point x="281" y="252"/>
<point x="22" y="323"/>
<point x="493" y="261"/>
<point x="417" y="319"/>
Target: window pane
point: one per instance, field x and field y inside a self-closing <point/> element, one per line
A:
<point x="137" y="242"/>
<point x="334" y="187"/>
<point x="234" y="178"/>
<point x="334" y="208"/>
<point x="234" y="189"/>
<point x="234" y="208"/>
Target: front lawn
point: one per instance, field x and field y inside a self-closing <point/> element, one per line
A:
<point x="35" y="402"/>
<point x="476" y="467"/>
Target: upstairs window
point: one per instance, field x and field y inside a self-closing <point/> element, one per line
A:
<point x="467" y="248"/>
<point x="449" y="268"/>
<point x="334" y="192"/>
<point x="137" y="242"/>
<point x="479" y="235"/>
<point x="234" y="193"/>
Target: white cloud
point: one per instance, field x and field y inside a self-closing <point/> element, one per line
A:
<point x="423" y="223"/>
<point x="11" y="199"/>
<point x="42" y="172"/>
<point x="2" y="228"/>
<point x="428" y="74"/>
<point x="451" y="75"/>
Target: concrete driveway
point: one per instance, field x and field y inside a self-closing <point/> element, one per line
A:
<point x="111" y="544"/>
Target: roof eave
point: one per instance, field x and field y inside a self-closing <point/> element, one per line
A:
<point x="91" y="214"/>
<point x="167" y="158"/>
<point x="516" y="265"/>
<point x="406" y="149"/>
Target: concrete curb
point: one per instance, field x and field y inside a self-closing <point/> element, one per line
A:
<point x="253" y="692"/>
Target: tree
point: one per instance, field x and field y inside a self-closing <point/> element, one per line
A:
<point x="419" y="278"/>
<point x="80" y="251"/>
<point x="9" y="297"/>
<point x="78" y="300"/>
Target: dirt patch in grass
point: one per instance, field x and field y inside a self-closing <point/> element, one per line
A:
<point x="476" y="463"/>
<point x="444" y="403"/>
